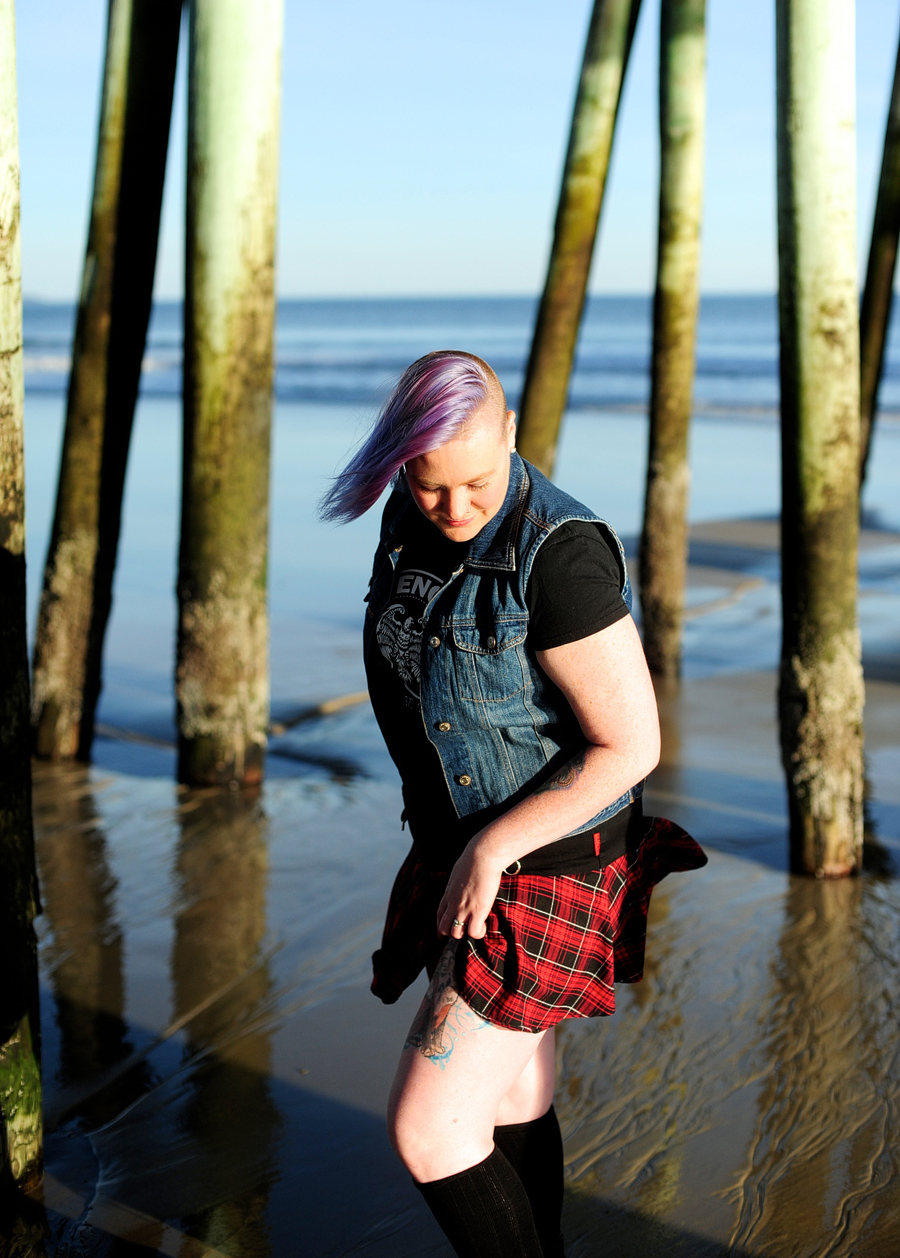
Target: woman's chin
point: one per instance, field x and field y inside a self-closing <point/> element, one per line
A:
<point x="461" y="532"/>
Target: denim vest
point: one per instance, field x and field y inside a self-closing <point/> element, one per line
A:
<point x="499" y="724"/>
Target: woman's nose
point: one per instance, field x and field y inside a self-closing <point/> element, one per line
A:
<point x="457" y="504"/>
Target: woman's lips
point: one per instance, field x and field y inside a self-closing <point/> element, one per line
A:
<point x="458" y="524"/>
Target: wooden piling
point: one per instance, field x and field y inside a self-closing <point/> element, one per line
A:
<point x="233" y="124"/>
<point x="20" y="1076"/>
<point x="875" y="312"/>
<point x="682" y="118"/>
<point x="608" y="46"/>
<point x="110" y="334"/>
<point x="821" y="684"/>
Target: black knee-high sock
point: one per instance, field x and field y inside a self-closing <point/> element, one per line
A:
<point x="484" y="1211"/>
<point x="535" y="1152"/>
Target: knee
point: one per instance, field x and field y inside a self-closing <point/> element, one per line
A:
<point x="425" y="1146"/>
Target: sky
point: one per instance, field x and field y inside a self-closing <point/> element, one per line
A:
<point x="423" y="140"/>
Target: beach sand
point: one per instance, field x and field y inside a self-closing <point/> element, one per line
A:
<point x="217" y="1071"/>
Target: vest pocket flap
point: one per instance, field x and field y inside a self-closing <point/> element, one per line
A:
<point x="489" y="638"/>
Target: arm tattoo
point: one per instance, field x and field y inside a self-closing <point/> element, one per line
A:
<point x="564" y="777"/>
<point x="442" y="1018"/>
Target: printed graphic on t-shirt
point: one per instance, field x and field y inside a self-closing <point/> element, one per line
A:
<point x="399" y="632"/>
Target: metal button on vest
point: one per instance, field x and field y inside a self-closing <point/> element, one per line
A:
<point x="434" y="641"/>
<point x="492" y="642"/>
<point x="444" y="726"/>
<point x="464" y="779"/>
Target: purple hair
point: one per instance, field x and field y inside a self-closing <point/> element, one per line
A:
<point x="430" y="405"/>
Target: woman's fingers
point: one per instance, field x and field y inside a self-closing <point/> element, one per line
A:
<point x="477" y="924"/>
<point x="445" y="917"/>
<point x="476" y="932"/>
<point x="453" y="917"/>
<point x="460" y="921"/>
<point x="468" y="899"/>
<point x="447" y="920"/>
<point x="451" y="914"/>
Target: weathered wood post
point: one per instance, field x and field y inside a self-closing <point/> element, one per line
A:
<point x="110" y="333"/>
<point x="682" y="117"/>
<point x="606" y="53"/>
<point x="821" y="684"/>
<point x="875" y="313"/>
<point x="20" y="1074"/>
<point x="233" y="124"/>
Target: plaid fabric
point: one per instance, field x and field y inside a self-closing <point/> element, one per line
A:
<point x="554" y="945"/>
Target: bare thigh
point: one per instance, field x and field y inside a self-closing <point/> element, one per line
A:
<point x="458" y="1077"/>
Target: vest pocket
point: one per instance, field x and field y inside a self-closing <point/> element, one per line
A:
<point x="489" y="668"/>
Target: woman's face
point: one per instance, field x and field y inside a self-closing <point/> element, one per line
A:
<point x="462" y="485"/>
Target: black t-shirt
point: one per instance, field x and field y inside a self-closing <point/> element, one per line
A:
<point x="573" y="591"/>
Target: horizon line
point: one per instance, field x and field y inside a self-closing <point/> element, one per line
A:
<point x="163" y="299"/>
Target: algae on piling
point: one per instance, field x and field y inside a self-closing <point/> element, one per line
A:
<point x="110" y="334"/>
<point x="21" y="1138"/>
<point x="682" y="118"/>
<point x="609" y="39"/>
<point x="821" y="682"/>
<point x="222" y="682"/>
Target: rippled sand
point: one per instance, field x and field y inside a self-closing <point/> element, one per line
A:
<point x="745" y="1099"/>
<point x="217" y="1071"/>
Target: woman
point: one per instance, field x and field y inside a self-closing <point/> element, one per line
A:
<point x="509" y="682"/>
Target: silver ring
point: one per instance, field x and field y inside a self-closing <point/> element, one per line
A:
<point x="457" y="922"/>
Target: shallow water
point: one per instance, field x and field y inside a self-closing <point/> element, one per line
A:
<point x="216" y="1070"/>
<point x="318" y="572"/>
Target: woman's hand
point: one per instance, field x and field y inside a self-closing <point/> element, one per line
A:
<point x="470" y="894"/>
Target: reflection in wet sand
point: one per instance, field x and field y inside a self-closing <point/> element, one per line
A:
<point x="743" y="1101"/>
<point x="172" y="1152"/>
<point x="823" y="1159"/>
<point x="220" y="929"/>
<point x="747" y="1102"/>
<point x="84" y="955"/>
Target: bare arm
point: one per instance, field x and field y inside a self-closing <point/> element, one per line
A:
<point x="606" y="682"/>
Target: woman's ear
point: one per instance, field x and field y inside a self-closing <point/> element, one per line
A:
<point x="511" y="430"/>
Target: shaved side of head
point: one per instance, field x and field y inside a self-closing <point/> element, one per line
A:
<point x="496" y="395"/>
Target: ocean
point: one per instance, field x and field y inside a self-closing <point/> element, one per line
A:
<point x="349" y="351"/>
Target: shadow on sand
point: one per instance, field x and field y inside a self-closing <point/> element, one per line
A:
<point x="216" y="1071"/>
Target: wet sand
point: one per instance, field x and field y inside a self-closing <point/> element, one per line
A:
<point x="217" y="1071"/>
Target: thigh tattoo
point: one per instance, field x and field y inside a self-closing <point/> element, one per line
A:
<point x="443" y="1017"/>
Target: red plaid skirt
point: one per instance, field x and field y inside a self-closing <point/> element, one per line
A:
<point x="554" y="945"/>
